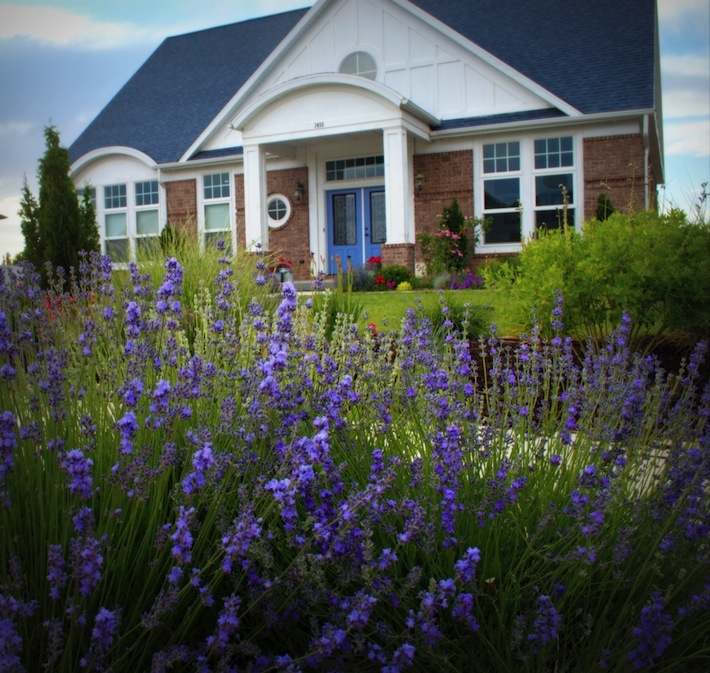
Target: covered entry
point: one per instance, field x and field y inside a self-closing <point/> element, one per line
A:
<point x="357" y="226"/>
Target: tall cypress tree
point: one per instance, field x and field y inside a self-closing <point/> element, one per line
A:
<point x="61" y="225"/>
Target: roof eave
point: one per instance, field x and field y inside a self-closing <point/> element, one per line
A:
<point x="540" y="123"/>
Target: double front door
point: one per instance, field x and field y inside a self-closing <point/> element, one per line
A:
<point x="356" y="226"/>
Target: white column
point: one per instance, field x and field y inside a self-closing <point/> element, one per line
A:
<point x="255" y="225"/>
<point x="399" y="196"/>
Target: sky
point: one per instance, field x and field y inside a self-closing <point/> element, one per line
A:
<point x="61" y="62"/>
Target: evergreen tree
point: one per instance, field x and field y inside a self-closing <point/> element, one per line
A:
<point x="29" y="214"/>
<point x="61" y="225"/>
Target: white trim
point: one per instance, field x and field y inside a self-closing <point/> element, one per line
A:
<point x="102" y="152"/>
<point x="298" y="84"/>
<point x="277" y="224"/>
<point x="535" y="124"/>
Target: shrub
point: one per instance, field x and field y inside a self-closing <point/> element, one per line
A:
<point x="392" y="275"/>
<point x="652" y="265"/>
<point x="446" y="250"/>
<point x="404" y="286"/>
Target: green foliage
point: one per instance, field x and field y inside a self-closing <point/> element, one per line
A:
<point x="333" y="307"/>
<point x="404" y="286"/>
<point x="452" y="314"/>
<point x="61" y="224"/>
<point x="394" y="274"/>
<point x="653" y="266"/>
<point x="605" y="209"/>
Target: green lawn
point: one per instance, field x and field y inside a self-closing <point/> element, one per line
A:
<point x="386" y="309"/>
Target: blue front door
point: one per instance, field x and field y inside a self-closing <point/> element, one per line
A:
<point x="356" y="226"/>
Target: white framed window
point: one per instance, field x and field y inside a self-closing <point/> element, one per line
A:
<point x="116" y="234"/>
<point x="523" y="185"/>
<point x="355" y="168"/>
<point x="554" y="174"/>
<point x="359" y="63"/>
<point x="131" y="219"/>
<point x="217" y="208"/>
<point x="147" y="199"/>
<point x="502" y="192"/>
<point x="278" y="210"/>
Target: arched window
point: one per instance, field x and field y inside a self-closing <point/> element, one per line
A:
<point x="359" y="63"/>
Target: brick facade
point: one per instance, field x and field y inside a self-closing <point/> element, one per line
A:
<point x="398" y="253"/>
<point x="444" y="176"/>
<point x="292" y="241"/>
<point x="615" y="165"/>
<point x="612" y="164"/>
<point x="181" y="198"/>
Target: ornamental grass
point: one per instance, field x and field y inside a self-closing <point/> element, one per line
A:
<point x="238" y="490"/>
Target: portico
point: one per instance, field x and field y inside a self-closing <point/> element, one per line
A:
<point x="306" y="119"/>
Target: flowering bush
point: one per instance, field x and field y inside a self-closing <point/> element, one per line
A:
<point x="447" y="249"/>
<point x="260" y="497"/>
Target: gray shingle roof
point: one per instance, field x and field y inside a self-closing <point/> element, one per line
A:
<point x="597" y="56"/>
<point x="182" y="87"/>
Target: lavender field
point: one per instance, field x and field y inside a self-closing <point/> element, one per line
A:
<point x="201" y="477"/>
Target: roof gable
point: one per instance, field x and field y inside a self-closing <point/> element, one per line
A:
<point x="182" y="86"/>
<point x="598" y="56"/>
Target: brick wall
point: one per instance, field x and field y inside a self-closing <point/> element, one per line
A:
<point x="398" y="253"/>
<point x="292" y="241"/>
<point x="615" y="165"/>
<point x="181" y="198"/>
<point x="445" y="175"/>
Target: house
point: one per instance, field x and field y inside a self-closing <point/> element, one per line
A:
<point x="342" y="129"/>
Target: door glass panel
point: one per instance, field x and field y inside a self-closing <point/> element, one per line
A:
<point x="378" y="221"/>
<point x="344" y="220"/>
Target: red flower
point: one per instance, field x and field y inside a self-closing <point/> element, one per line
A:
<point x="380" y="280"/>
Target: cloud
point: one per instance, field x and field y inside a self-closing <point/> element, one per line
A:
<point x="691" y="138"/>
<point x="11" y="238"/>
<point x="15" y="128"/>
<point x="48" y="25"/>
<point x="675" y="12"/>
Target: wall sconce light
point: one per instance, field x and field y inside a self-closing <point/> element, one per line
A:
<point x="298" y="192"/>
<point x="419" y="182"/>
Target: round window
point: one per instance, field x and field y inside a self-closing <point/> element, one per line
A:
<point x="359" y="63"/>
<point x="278" y="208"/>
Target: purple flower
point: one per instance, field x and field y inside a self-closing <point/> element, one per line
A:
<point x="56" y="573"/>
<point x="132" y="391"/>
<point x="128" y="426"/>
<point x="466" y="566"/>
<point x="102" y="638"/>
<point x="86" y="553"/>
<point x="160" y="396"/>
<point x="79" y="469"/>
<point x="652" y="634"/>
<point x="547" y="624"/>
<point x="182" y="538"/>
<point x="8" y="444"/>
<point x="202" y="460"/>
